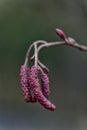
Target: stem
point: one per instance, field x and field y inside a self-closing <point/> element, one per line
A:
<point x="69" y="41"/>
<point x="51" y="44"/>
<point x="27" y="54"/>
<point x="42" y="65"/>
<point x="48" y="45"/>
<point x="41" y="41"/>
<point x="29" y="49"/>
<point x="36" y="54"/>
<point x="40" y="69"/>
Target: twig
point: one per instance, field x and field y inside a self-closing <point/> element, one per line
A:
<point x="69" y="41"/>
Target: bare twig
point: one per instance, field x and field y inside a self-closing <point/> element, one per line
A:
<point x="69" y="41"/>
<point x="66" y="41"/>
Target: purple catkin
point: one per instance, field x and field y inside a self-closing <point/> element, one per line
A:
<point x="34" y="83"/>
<point x="24" y="82"/>
<point x="45" y="85"/>
<point x="25" y="85"/>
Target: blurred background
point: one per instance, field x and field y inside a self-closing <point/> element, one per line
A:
<point x="21" y="23"/>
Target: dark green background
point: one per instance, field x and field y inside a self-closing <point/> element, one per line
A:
<point x="21" y="23"/>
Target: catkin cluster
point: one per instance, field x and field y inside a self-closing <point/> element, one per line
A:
<point x="30" y="84"/>
<point x="34" y="80"/>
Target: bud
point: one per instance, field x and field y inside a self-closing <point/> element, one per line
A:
<point x="71" y="40"/>
<point x="45" y="85"/>
<point x="60" y="33"/>
<point x="46" y="70"/>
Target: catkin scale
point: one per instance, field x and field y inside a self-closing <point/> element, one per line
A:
<point x="24" y="82"/>
<point x="25" y="85"/>
<point x="45" y="84"/>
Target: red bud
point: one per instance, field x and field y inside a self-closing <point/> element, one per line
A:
<point x="60" y="33"/>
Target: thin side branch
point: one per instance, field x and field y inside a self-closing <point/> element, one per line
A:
<point x="30" y="47"/>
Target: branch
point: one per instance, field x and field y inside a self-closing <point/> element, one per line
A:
<point x="30" y="76"/>
<point x="68" y="41"/>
